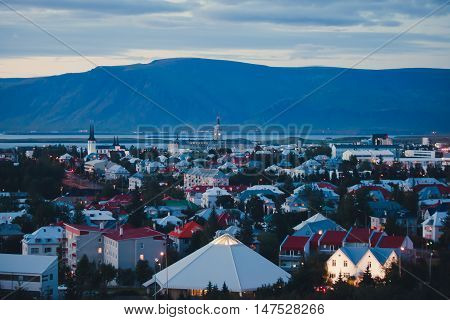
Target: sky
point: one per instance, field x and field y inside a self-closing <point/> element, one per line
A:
<point x="80" y="34"/>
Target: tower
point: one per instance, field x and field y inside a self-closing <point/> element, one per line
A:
<point x="92" y="143"/>
<point x="217" y="131"/>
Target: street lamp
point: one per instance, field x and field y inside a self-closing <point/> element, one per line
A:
<point x="400" y="262"/>
<point x="429" y="270"/>
<point x="156" y="262"/>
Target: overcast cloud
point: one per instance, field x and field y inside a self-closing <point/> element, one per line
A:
<point x="272" y="32"/>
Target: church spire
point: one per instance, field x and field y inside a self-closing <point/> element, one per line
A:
<point x="218" y="120"/>
<point x="91" y="132"/>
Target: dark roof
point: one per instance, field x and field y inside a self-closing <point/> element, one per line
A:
<point x="358" y="235"/>
<point x="393" y="242"/>
<point x="134" y="233"/>
<point x="332" y="237"/>
<point x="294" y="243"/>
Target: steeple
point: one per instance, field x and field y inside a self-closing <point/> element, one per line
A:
<point x="91" y="132"/>
<point x="218" y="120"/>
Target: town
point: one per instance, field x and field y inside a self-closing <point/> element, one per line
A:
<point x="226" y="219"/>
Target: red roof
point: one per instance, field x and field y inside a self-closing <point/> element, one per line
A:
<point x="186" y="231"/>
<point x="134" y="233"/>
<point x="391" y="242"/>
<point x="442" y="188"/>
<point x="333" y="238"/>
<point x="358" y="235"/>
<point x="326" y="185"/>
<point x="296" y="243"/>
<point x="80" y="229"/>
<point x="375" y="237"/>
<point x="224" y="219"/>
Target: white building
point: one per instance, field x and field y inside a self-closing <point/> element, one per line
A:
<point x="98" y="217"/>
<point x="223" y="260"/>
<point x="35" y="274"/>
<point x="126" y="246"/>
<point x="92" y="143"/>
<point x="210" y="196"/>
<point x="205" y="177"/>
<point x="95" y="166"/>
<point x="83" y="240"/>
<point x="369" y="155"/>
<point x="136" y="181"/>
<point x="44" y="241"/>
<point x="115" y="172"/>
<point x="432" y="227"/>
<point x="353" y="262"/>
<point x="420" y="154"/>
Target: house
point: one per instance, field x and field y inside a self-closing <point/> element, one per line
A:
<point x="330" y="241"/>
<point x="316" y="224"/>
<point x="47" y="240"/>
<point x="37" y="275"/>
<point x="358" y="237"/>
<point x="8" y="217"/>
<point x="169" y="220"/>
<point x="95" y="166"/>
<point x="295" y="204"/>
<point x="432" y="227"/>
<point x="210" y="196"/>
<point x="124" y="247"/>
<point x="83" y="240"/>
<point x="136" y="181"/>
<point x="293" y="251"/>
<point x="352" y="262"/>
<point x="223" y="260"/>
<point x="98" y="217"/>
<point x="383" y="210"/>
<point x="65" y="158"/>
<point x="205" y="177"/>
<point x="115" y="172"/>
<point x="395" y="242"/>
<point x="181" y="236"/>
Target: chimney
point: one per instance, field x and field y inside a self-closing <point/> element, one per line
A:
<point x="121" y="231"/>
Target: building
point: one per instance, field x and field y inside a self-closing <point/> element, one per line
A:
<point x="217" y="131"/>
<point x="95" y="166"/>
<point x="92" y="143"/>
<point x="293" y="251"/>
<point x="381" y="139"/>
<point x="136" y="181"/>
<point x="205" y="177"/>
<point x="223" y="260"/>
<point x="369" y="155"/>
<point x="83" y="240"/>
<point x="432" y="227"/>
<point x="338" y="149"/>
<point x="115" y="172"/>
<point x="316" y="224"/>
<point x="210" y="196"/>
<point x="420" y="154"/>
<point x="98" y="217"/>
<point x="47" y="241"/>
<point x="124" y="247"/>
<point x="352" y="262"/>
<point x="37" y="275"/>
<point x="181" y="236"/>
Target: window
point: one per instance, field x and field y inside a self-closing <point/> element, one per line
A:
<point x="333" y="263"/>
<point x="332" y="275"/>
<point x="345" y="263"/>
<point x="369" y="264"/>
<point x="141" y="257"/>
<point x="142" y="245"/>
<point x="346" y="275"/>
<point x="47" y="250"/>
<point x="51" y="276"/>
<point x="99" y="240"/>
<point x="99" y="250"/>
<point x="34" y="250"/>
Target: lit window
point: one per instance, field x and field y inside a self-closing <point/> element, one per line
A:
<point x="345" y="263"/>
<point x="333" y="263"/>
<point x="141" y="257"/>
<point x="99" y="250"/>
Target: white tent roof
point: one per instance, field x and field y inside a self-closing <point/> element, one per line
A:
<point x="224" y="259"/>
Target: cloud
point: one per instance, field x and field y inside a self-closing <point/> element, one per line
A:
<point x="118" y="7"/>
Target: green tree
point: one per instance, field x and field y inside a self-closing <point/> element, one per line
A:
<point x="143" y="271"/>
<point x="367" y="280"/>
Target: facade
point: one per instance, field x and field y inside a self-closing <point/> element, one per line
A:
<point x="44" y="241"/>
<point x="37" y="275"/>
<point x="205" y="177"/>
<point x="95" y="166"/>
<point x="136" y="181"/>
<point x="432" y="227"/>
<point x="115" y="172"/>
<point x="353" y="262"/>
<point x="210" y="196"/>
<point x="369" y="155"/>
<point x="181" y="236"/>
<point x="293" y="251"/>
<point x="420" y="154"/>
<point x="126" y="246"/>
<point x="83" y="240"/>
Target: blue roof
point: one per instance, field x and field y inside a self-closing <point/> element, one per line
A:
<point x="354" y="253"/>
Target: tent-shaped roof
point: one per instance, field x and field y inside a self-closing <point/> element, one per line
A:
<point x="225" y="259"/>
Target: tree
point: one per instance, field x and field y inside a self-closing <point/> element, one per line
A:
<point x="367" y="280"/>
<point x="246" y="233"/>
<point x="226" y="202"/>
<point x="126" y="277"/>
<point x="212" y="225"/>
<point x="78" y="216"/>
<point x="225" y="294"/>
<point x="255" y="207"/>
<point x="143" y="271"/>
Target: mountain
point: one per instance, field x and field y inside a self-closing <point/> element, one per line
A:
<point x="196" y="90"/>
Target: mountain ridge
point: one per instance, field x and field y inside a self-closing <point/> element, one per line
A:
<point x="412" y="100"/>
